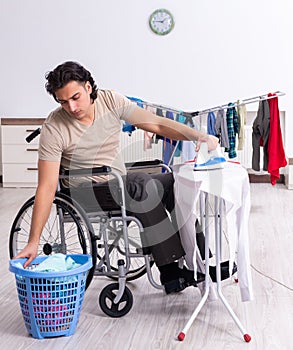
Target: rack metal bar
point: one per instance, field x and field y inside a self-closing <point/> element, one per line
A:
<point x="211" y="109"/>
<point x="236" y="103"/>
<point x="164" y="108"/>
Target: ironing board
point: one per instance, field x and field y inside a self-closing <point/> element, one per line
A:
<point x="229" y="187"/>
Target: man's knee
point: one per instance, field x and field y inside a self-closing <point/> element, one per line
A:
<point x="137" y="185"/>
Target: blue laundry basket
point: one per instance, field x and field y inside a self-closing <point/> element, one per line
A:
<point x="51" y="301"/>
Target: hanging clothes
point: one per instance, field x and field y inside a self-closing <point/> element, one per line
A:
<point x="232" y="127"/>
<point x="128" y="128"/>
<point x="181" y="119"/>
<point x="159" y="112"/>
<point x="148" y="140"/>
<point x="260" y="135"/>
<point x="138" y="101"/>
<point x="221" y="128"/>
<point x="211" y="121"/>
<point x="188" y="148"/>
<point x="242" y="117"/>
<point x="148" y="137"/>
<point x="168" y="144"/>
<point x="276" y="151"/>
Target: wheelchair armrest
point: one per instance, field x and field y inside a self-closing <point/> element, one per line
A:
<point x="86" y="171"/>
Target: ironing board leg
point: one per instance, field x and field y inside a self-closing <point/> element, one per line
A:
<point x="182" y="334"/>
<point x="218" y="232"/>
<point x="204" y="217"/>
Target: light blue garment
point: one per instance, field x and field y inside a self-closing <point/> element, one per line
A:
<point x="188" y="147"/>
<point x="56" y="263"/>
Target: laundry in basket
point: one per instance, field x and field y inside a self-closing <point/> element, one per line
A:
<point x="51" y="301"/>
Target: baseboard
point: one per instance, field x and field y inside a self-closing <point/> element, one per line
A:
<point x="264" y="178"/>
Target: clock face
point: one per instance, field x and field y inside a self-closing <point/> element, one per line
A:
<point x="161" y="22"/>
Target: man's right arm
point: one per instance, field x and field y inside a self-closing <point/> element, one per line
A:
<point x="48" y="173"/>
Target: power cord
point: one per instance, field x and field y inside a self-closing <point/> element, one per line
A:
<point x="253" y="267"/>
<point x="271" y="278"/>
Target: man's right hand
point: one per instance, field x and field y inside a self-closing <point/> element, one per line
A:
<point x="211" y="140"/>
<point x="30" y="251"/>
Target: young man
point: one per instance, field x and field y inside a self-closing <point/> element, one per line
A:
<point x="84" y="132"/>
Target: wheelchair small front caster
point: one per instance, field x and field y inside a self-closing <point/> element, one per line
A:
<point x="106" y="301"/>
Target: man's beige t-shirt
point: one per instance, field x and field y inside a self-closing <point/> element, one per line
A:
<point x="76" y="145"/>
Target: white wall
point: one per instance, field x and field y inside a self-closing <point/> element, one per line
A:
<point x="219" y="51"/>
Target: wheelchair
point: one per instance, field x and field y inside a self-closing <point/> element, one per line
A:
<point x="106" y="232"/>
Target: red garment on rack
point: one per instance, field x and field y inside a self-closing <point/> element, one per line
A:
<point x="276" y="153"/>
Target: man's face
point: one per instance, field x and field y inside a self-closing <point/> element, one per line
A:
<point x="75" y="99"/>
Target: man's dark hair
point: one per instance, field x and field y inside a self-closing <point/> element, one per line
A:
<point x="66" y="72"/>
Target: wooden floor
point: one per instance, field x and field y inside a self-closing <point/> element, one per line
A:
<point x="156" y="319"/>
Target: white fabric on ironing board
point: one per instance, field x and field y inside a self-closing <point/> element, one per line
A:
<point x="230" y="183"/>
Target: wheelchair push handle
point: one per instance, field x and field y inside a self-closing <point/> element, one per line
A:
<point x="33" y="135"/>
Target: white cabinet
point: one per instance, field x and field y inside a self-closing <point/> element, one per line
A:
<point x="19" y="158"/>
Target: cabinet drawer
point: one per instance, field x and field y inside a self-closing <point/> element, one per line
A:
<point x="20" y="153"/>
<point x="16" y="134"/>
<point x="24" y="174"/>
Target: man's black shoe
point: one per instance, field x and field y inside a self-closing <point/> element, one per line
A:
<point x="174" y="279"/>
<point x="176" y="286"/>
<point x="224" y="271"/>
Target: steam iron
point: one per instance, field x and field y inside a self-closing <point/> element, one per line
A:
<point x="208" y="160"/>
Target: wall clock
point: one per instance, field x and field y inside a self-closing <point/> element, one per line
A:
<point x="161" y="22"/>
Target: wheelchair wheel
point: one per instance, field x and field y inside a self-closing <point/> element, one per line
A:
<point x="106" y="301"/>
<point x="116" y="245"/>
<point x="66" y="231"/>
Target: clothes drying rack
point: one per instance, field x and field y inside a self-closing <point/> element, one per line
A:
<point x="190" y="115"/>
<point x="240" y="102"/>
<point x="211" y="109"/>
